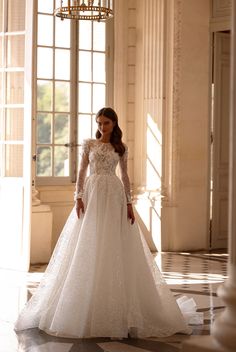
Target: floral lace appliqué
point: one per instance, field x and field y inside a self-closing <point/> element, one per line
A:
<point x="102" y="160"/>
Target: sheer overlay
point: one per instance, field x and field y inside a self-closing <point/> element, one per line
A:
<point x="107" y="166"/>
<point x="102" y="279"/>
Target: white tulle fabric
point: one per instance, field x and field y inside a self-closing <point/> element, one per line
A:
<point x="102" y="279"/>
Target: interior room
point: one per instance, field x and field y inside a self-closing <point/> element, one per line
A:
<point x="167" y="68"/>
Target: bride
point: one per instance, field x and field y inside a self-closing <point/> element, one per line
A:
<point x="102" y="280"/>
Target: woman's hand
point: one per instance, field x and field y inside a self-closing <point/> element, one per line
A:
<point x="130" y="213"/>
<point x="79" y="206"/>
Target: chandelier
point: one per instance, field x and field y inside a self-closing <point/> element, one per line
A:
<point x="95" y="10"/>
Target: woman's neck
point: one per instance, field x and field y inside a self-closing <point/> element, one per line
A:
<point x="105" y="139"/>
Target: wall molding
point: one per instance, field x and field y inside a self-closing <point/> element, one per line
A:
<point x="220" y="15"/>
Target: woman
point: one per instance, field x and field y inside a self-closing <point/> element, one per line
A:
<point x="102" y="279"/>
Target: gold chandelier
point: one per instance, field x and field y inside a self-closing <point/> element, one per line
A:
<point x="95" y="10"/>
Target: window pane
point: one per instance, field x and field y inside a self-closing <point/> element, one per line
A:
<point x="62" y="96"/>
<point x="84" y="97"/>
<point x="53" y="95"/>
<point x="15" y="87"/>
<point x="16" y="16"/>
<point x="44" y="62"/>
<point x="2" y="134"/>
<point x="62" y="33"/>
<point x="85" y="31"/>
<point x="15" y="51"/>
<point x="14" y="161"/>
<point x="45" y="30"/>
<point x="45" y="6"/>
<point x="1" y="160"/>
<point x="99" y="73"/>
<point x="99" y="97"/>
<point x="94" y="125"/>
<point x="15" y="124"/>
<point x="99" y="38"/>
<point x="44" y="128"/>
<point x="84" y="127"/>
<point x="62" y="64"/>
<point x="1" y="15"/>
<point x="61" y="161"/>
<point x="1" y="51"/>
<point x="61" y="129"/>
<point x="44" y="95"/>
<point x="44" y="161"/>
<point x="85" y="73"/>
<point x="1" y="87"/>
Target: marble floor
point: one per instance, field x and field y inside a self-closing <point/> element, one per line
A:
<point x="195" y="275"/>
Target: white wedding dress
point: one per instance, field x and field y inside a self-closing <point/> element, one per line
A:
<point x="102" y="280"/>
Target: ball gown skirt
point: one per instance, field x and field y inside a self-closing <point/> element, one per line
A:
<point x="102" y="280"/>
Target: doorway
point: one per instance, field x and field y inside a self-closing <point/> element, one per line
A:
<point x="220" y="140"/>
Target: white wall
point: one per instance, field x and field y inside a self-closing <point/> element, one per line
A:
<point x="185" y="212"/>
<point x="60" y="200"/>
<point x="182" y="116"/>
<point x="172" y="84"/>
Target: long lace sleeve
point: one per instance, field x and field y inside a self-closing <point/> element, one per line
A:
<point x="79" y="188"/>
<point x="124" y="175"/>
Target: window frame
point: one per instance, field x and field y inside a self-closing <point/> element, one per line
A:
<point x="74" y="148"/>
<point x="9" y="106"/>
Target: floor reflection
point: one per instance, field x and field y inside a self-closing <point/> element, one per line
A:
<point x="196" y="275"/>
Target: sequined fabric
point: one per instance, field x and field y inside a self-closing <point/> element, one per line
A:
<point x="102" y="279"/>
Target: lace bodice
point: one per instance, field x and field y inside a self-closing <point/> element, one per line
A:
<point x="102" y="160"/>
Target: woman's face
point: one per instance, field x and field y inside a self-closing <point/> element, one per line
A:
<point x="105" y="125"/>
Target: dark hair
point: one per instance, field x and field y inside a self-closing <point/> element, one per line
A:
<point x="116" y="134"/>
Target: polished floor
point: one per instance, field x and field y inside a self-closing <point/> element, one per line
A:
<point x="195" y="275"/>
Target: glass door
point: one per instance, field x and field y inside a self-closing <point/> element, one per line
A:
<point x="15" y="132"/>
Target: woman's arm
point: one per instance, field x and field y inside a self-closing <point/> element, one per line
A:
<point x="126" y="183"/>
<point x="79" y="187"/>
<point x="124" y="175"/>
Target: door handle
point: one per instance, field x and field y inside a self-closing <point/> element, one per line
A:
<point x="71" y="145"/>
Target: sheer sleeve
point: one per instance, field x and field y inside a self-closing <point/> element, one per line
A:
<point x="79" y="187"/>
<point x="124" y="175"/>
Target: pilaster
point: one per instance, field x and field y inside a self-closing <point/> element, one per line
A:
<point x="225" y="326"/>
<point x="223" y="331"/>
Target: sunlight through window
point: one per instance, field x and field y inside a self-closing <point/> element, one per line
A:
<point x="154" y="155"/>
<point x="71" y="88"/>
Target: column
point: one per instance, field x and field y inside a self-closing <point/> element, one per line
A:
<point x="223" y="336"/>
<point x="224" y="327"/>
